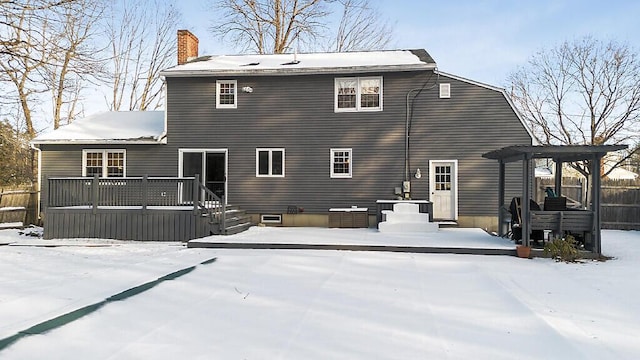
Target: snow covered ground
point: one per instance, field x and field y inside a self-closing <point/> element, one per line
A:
<point x="294" y="304"/>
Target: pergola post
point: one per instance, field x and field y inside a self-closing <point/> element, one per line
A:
<point x="501" y="177"/>
<point x="558" y="177"/>
<point x="596" y="183"/>
<point x="524" y="201"/>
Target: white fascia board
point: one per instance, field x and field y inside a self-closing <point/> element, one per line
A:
<point x="100" y="142"/>
<point x="301" y="71"/>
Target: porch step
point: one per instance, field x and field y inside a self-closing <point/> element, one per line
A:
<point x="236" y="221"/>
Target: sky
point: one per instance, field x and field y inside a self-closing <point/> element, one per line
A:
<point x="480" y="40"/>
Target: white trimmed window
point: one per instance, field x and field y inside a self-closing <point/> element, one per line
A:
<point x="226" y="94"/>
<point x="341" y="163"/>
<point x="445" y="91"/>
<point x="358" y="94"/>
<point x="270" y="162"/>
<point x="104" y="163"/>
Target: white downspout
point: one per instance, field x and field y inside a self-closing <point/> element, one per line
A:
<point x="39" y="177"/>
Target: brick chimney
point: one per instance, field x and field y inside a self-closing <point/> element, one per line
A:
<point x="187" y="46"/>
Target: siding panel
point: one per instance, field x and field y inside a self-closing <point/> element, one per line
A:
<point x="297" y="113"/>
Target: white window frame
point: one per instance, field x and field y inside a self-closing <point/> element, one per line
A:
<point x="332" y="162"/>
<point x="105" y="161"/>
<point x="358" y="106"/>
<point x="270" y="151"/>
<point x="235" y="94"/>
<point x="445" y="91"/>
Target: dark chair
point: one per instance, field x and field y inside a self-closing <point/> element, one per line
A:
<point x="516" y="220"/>
<point x="555" y="203"/>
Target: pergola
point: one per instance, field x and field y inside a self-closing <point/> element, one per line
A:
<point x="560" y="154"/>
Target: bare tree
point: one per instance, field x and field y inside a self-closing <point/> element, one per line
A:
<point x="74" y="64"/>
<point x="141" y="43"/>
<point x="361" y="27"/>
<point x="581" y="92"/>
<point x="24" y="54"/>
<point x="269" y="26"/>
<point x="45" y="51"/>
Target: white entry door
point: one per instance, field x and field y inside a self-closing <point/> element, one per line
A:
<point x="443" y="186"/>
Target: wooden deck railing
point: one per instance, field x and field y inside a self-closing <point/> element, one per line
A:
<point x="212" y="205"/>
<point x="133" y="191"/>
<point x="137" y="192"/>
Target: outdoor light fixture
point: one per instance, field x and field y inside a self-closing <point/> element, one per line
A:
<point x="247" y="89"/>
<point x="418" y="174"/>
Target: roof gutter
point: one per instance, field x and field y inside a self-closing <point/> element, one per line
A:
<point x="160" y="139"/>
<point x="296" y="71"/>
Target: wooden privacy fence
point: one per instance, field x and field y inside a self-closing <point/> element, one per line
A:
<point x="619" y="204"/>
<point x="18" y="206"/>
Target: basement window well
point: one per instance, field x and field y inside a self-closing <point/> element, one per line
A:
<point x="271" y="219"/>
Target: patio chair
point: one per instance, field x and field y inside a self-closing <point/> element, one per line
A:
<point x="516" y="220"/>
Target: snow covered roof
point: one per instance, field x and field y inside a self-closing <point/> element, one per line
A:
<point x="313" y="63"/>
<point x="621" y="174"/>
<point x="110" y="127"/>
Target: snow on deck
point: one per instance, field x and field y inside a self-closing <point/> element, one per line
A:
<point x="444" y="238"/>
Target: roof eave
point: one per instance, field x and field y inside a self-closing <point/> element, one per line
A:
<point x="298" y="71"/>
<point x="99" y="142"/>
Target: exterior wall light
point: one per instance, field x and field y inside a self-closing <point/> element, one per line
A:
<point x="418" y="174"/>
<point x="247" y="89"/>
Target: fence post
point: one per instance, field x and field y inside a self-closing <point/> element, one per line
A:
<point x="95" y="192"/>
<point x="223" y="216"/>
<point x="145" y="190"/>
<point x="196" y="191"/>
<point x="48" y="198"/>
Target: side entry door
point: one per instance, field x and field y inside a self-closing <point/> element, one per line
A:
<point x="443" y="182"/>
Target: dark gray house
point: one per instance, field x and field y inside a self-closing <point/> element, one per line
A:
<point x="287" y="137"/>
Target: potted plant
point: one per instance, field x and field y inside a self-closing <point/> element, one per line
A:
<point x="523" y="251"/>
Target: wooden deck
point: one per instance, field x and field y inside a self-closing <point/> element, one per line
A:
<point x="125" y="223"/>
<point x="144" y="209"/>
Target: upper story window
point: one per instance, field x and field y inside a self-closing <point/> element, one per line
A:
<point x="341" y="163"/>
<point x="226" y="94"/>
<point x="270" y="162"/>
<point x="104" y="163"/>
<point x="358" y="94"/>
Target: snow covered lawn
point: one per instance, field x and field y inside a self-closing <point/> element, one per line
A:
<point x="293" y="304"/>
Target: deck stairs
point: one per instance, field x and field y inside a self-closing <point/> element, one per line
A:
<point x="234" y="221"/>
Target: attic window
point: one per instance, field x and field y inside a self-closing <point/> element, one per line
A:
<point x="445" y="91"/>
